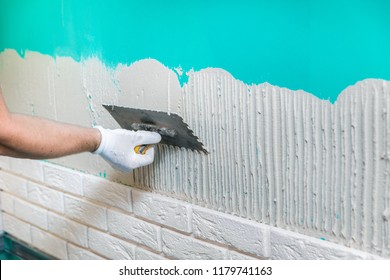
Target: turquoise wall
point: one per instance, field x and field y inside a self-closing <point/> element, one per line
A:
<point x="318" y="46"/>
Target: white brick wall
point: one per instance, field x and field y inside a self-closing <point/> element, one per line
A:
<point x="1" y="218"/>
<point x="292" y="246"/>
<point x="7" y="203"/>
<point x="45" y="197"/>
<point x="143" y="254"/>
<point x="72" y="215"/>
<point x="242" y="235"/>
<point x="31" y="168"/>
<point x="4" y="163"/>
<point x="64" y="179"/>
<point x="85" y="212"/>
<point x="68" y="229"/>
<point x="17" y="228"/>
<point x="110" y="246"/>
<point x="179" y="246"/>
<point x="163" y="210"/>
<point x="107" y="192"/>
<point x="79" y="253"/>
<point x="13" y="184"/>
<point x="30" y="213"/>
<point x="47" y="242"/>
<point x="134" y="230"/>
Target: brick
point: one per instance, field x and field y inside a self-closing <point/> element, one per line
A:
<point x="7" y="202"/>
<point x="67" y="229"/>
<point x="5" y="162"/>
<point x="107" y="192"/>
<point x="142" y="254"/>
<point x="134" y="229"/>
<point x="109" y="246"/>
<point x="45" y="196"/>
<point x="49" y="243"/>
<point x="241" y="234"/>
<point x="286" y="245"/>
<point x="163" y="210"/>
<point x="30" y="213"/>
<point x="85" y="212"/>
<point x="78" y="253"/>
<point x="232" y="255"/>
<point x="184" y="247"/>
<point x="17" y="228"/>
<point x="63" y="178"/>
<point x="28" y="168"/>
<point x="13" y="184"/>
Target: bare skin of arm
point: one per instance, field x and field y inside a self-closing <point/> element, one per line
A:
<point x="37" y="138"/>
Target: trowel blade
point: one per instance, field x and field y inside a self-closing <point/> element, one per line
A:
<point x="173" y="130"/>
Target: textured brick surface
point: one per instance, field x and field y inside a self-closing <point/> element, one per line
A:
<point x="67" y="229"/>
<point x="292" y="246"/>
<point x="31" y="169"/>
<point x="45" y="196"/>
<point x="232" y="231"/>
<point x="232" y="255"/>
<point x="179" y="246"/>
<point x="109" y="246"/>
<point x="49" y="243"/>
<point x="142" y="254"/>
<point x="163" y="210"/>
<point x="107" y="192"/>
<point x="4" y="162"/>
<point x="13" y="184"/>
<point x="17" y="228"/>
<point x="134" y="229"/>
<point x="62" y="178"/>
<point x="86" y="212"/>
<point x="7" y="202"/>
<point x="30" y="213"/>
<point x="78" y="253"/>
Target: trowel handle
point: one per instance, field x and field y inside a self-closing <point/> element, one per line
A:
<point x="141" y="149"/>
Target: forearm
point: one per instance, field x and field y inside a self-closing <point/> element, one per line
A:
<point x="37" y="138"/>
<point x="32" y="137"/>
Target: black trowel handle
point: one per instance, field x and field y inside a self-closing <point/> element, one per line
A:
<point x="141" y="149"/>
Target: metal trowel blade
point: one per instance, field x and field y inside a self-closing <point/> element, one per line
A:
<point x="173" y="130"/>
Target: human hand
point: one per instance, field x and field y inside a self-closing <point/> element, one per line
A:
<point x="117" y="148"/>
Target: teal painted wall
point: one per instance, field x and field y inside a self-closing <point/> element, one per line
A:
<point x="318" y="46"/>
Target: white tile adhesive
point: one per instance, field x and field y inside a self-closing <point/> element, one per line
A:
<point x="276" y="156"/>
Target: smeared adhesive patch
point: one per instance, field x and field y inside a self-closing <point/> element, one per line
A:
<point x="318" y="46"/>
<point x="277" y="156"/>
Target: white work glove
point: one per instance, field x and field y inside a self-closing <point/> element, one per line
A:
<point x="117" y="147"/>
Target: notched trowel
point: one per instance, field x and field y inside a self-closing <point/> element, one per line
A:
<point x="173" y="130"/>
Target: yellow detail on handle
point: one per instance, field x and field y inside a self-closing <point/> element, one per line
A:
<point x="141" y="149"/>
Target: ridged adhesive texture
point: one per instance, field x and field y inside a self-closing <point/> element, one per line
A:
<point x="286" y="158"/>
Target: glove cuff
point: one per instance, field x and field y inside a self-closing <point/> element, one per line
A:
<point x="103" y="141"/>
